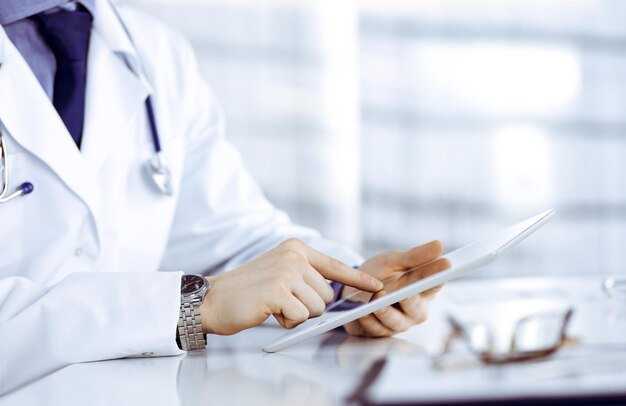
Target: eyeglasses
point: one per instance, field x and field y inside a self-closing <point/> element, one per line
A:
<point x="534" y="337"/>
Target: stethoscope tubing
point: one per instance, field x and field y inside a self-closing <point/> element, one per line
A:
<point x="156" y="142"/>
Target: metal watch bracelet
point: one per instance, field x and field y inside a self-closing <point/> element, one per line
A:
<point x="193" y="288"/>
<point x="190" y="326"/>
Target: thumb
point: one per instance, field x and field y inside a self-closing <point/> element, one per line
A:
<point x="421" y="254"/>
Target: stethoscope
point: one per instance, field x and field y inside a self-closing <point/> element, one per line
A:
<point x="23" y="189"/>
<point x="156" y="168"/>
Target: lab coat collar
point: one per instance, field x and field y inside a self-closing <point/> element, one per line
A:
<point x="108" y="23"/>
<point x="2" y="39"/>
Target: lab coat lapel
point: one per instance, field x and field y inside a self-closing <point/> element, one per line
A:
<point x="32" y="121"/>
<point x="114" y="97"/>
<point x="2" y="39"/>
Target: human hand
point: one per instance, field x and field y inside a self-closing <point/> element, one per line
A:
<point x="287" y="282"/>
<point x="422" y="261"/>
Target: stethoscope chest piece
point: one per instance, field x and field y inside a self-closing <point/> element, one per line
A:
<point x="160" y="175"/>
<point x="23" y="189"/>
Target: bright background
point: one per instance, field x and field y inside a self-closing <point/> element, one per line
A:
<point x="389" y="123"/>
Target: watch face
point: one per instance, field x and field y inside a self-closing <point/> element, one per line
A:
<point x="191" y="284"/>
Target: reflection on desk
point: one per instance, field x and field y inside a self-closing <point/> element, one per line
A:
<point x="232" y="371"/>
<point x="327" y="369"/>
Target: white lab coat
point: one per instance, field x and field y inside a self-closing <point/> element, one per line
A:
<point x="90" y="262"/>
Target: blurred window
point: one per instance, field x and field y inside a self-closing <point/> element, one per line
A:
<point x="389" y="123"/>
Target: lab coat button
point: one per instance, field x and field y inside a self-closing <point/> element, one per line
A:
<point x="147" y="354"/>
<point x="78" y="252"/>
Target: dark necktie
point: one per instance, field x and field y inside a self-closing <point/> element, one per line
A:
<point x="67" y="34"/>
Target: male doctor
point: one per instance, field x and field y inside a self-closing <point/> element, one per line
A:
<point x="91" y="258"/>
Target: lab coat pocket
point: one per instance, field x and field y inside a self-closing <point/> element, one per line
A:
<point x="11" y="225"/>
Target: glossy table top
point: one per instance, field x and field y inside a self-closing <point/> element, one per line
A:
<point x="330" y="368"/>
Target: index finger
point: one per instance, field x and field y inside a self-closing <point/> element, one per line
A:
<point x="335" y="270"/>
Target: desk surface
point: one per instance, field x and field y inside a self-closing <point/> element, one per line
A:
<point x="327" y="369"/>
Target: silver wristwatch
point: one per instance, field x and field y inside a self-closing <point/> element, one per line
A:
<point x="192" y="291"/>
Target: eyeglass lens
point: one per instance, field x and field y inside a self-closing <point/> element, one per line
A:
<point x="614" y="287"/>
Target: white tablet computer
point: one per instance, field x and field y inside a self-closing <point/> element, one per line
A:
<point x="462" y="261"/>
